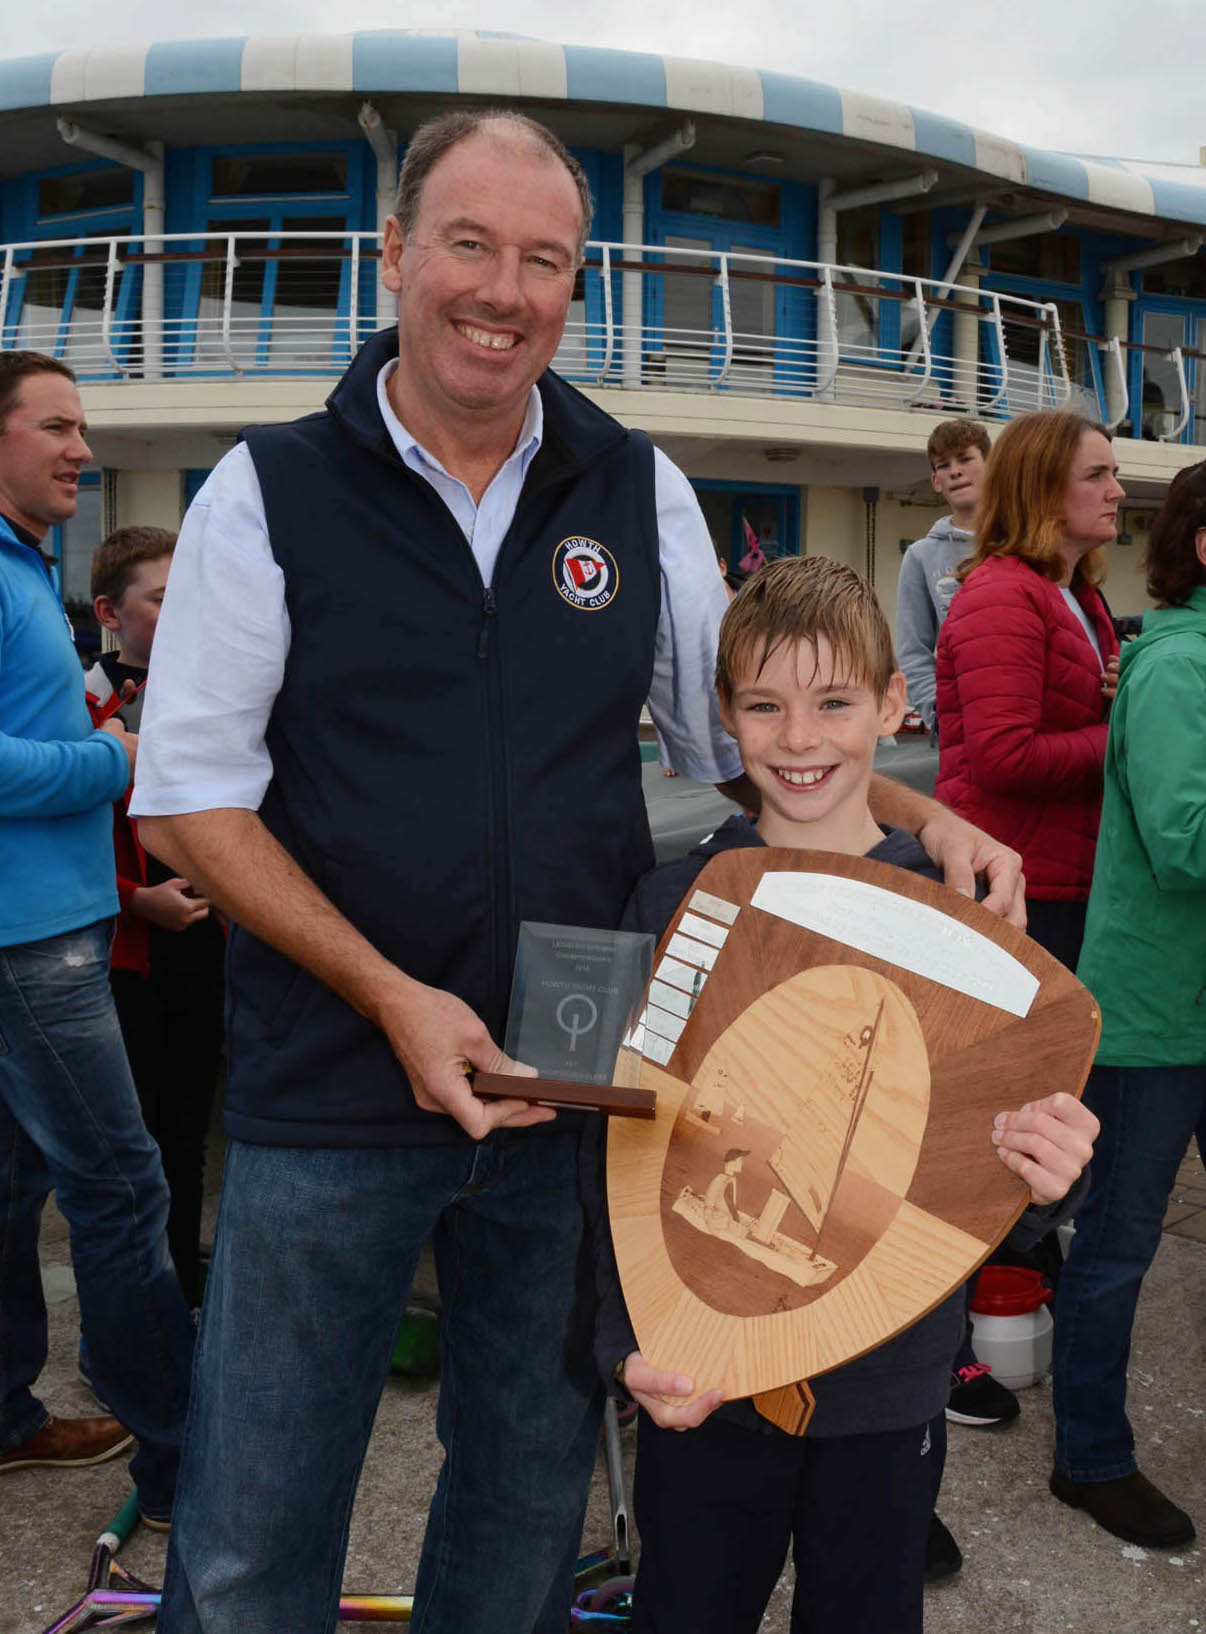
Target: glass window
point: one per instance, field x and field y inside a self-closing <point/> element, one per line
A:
<point x="1184" y="278"/>
<point x="915" y="241"/>
<point x="1035" y="377"/>
<point x="50" y="296"/>
<point x="728" y="198"/>
<point x="571" y="354"/>
<point x="85" y="190"/>
<point x="857" y="246"/>
<point x="1161" y="407"/>
<point x="687" y="326"/>
<point x="79" y="537"/>
<point x="247" y="292"/>
<point x="83" y="344"/>
<point x="42" y="303"/>
<point x="256" y="175"/>
<point x="1054" y="257"/>
<point x="307" y="295"/>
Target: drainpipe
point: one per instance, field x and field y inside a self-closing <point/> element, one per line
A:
<point x="829" y="203"/>
<point x="149" y="160"/>
<point x="637" y="165"/>
<point x="384" y="144"/>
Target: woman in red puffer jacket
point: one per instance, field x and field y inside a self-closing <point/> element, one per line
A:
<point x="1026" y="664"/>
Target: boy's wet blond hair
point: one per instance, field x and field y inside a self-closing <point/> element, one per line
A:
<point x="799" y="598"/>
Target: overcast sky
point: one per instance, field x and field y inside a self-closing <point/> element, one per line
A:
<point x="1125" y="78"/>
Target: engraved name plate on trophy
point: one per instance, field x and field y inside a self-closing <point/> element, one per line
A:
<point x="575" y="1000"/>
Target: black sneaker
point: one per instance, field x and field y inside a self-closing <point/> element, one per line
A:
<point x="976" y="1398"/>
<point x="1131" y="1508"/>
<point x="943" y="1557"/>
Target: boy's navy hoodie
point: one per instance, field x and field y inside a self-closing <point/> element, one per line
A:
<point x="905" y="1381"/>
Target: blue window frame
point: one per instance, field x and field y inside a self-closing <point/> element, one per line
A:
<point x="1077" y="310"/>
<point x="1166" y="322"/>
<point x="683" y="315"/>
<point x="288" y="312"/>
<point x="770" y="509"/>
<point x="56" y="303"/>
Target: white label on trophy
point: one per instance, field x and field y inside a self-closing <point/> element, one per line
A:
<point x="670" y="998"/>
<point x="661" y="1021"/>
<point x="714" y="906"/>
<point x="693" y="952"/>
<point x="657" y="1048"/>
<point x="692" y="925"/>
<point x="680" y="975"/>
<point x="903" y="932"/>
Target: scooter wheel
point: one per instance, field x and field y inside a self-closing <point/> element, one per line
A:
<point x="610" y="1593"/>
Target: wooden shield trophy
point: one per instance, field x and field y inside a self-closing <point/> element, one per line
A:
<point x="829" y="1040"/>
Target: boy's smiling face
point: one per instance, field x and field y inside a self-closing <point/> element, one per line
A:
<point x="807" y="733"/>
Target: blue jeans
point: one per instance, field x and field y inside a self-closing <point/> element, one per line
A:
<point x="312" y="1264"/>
<point x="1148" y="1115"/>
<point x="69" y="1119"/>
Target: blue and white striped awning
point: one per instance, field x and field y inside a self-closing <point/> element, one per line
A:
<point x="423" y="61"/>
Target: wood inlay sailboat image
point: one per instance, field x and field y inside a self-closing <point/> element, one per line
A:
<point x="790" y="1157"/>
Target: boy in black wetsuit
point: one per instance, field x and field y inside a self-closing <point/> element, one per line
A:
<point x="807" y="685"/>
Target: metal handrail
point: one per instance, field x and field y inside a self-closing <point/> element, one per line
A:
<point x="1177" y="358"/>
<point x="1002" y="393"/>
<point x="1057" y="340"/>
<point x="608" y="348"/>
<point x="228" y="305"/>
<point x="726" y="313"/>
<point x="107" y="318"/>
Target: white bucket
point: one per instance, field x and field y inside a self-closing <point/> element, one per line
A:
<point x="1017" y="1348"/>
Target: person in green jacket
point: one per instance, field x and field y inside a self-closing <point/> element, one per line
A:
<point x="1144" y="960"/>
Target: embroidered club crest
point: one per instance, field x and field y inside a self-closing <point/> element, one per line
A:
<point x="585" y="573"/>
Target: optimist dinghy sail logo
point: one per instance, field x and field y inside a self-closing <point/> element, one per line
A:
<point x="585" y="573"/>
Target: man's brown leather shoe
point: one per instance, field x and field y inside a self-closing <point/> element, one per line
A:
<point x="68" y="1443"/>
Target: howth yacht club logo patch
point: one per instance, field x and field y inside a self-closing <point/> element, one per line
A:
<point x="585" y="573"/>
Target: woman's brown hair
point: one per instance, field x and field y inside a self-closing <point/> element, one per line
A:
<point x="1022" y="495"/>
<point x="1174" y="570"/>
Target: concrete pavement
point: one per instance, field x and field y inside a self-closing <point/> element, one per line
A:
<point x="1032" y="1566"/>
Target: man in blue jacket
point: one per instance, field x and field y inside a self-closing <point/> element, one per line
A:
<point x="69" y="1115"/>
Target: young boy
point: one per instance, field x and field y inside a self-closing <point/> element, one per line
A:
<point x="166" y="963"/>
<point x="957" y="450"/>
<point x="807" y="685"/>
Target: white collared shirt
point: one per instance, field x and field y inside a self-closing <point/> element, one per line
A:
<point x="223" y="634"/>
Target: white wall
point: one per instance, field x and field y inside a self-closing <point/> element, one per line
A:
<point x="149" y="499"/>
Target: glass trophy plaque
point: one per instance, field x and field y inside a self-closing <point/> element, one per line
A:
<point x="576" y="996"/>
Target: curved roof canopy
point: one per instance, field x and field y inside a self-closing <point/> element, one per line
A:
<point x="503" y="65"/>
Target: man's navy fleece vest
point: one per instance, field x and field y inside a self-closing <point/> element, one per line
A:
<point x="448" y="761"/>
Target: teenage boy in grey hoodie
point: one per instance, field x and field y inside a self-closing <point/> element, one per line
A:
<point x="957" y="450"/>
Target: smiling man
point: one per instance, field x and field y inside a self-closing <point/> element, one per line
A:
<point x="69" y="1115"/>
<point x="393" y="703"/>
<point x="392" y="714"/>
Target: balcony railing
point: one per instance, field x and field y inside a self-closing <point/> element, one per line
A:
<point x="642" y="316"/>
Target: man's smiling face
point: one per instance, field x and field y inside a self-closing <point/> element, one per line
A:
<point x="42" y="452"/>
<point x="485" y="278"/>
